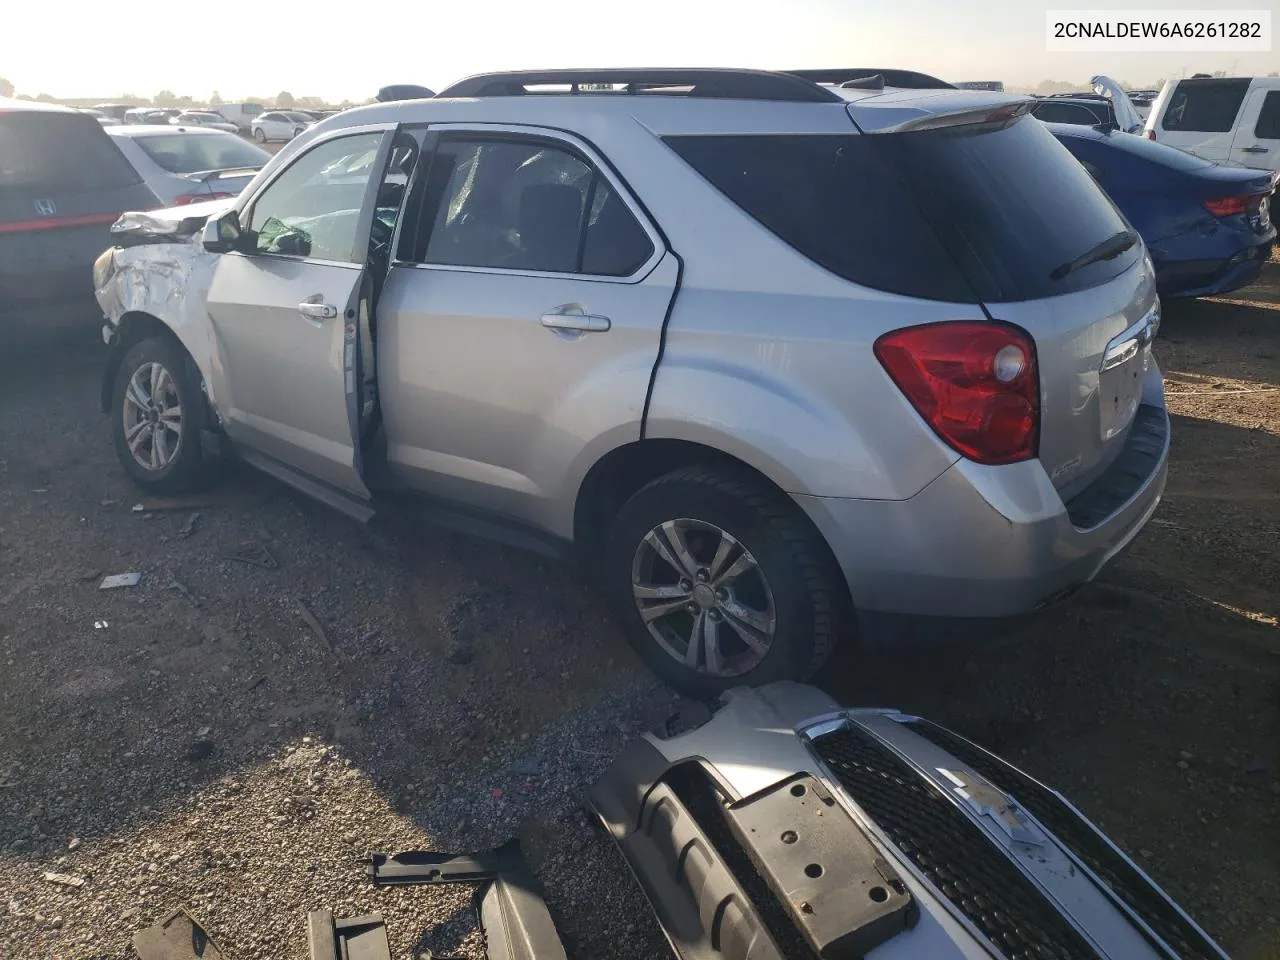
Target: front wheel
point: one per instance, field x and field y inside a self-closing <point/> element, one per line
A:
<point x="720" y="581"/>
<point x="157" y="414"/>
<point x="260" y="135"/>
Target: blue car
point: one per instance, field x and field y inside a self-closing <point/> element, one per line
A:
<point x="1208" y="226"/>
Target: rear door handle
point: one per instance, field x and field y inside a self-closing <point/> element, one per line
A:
<point x="576" y="320"/>
<point x="1254" y="149"/>
<point x="317" y="311"/>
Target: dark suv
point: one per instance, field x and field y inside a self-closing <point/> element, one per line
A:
<point x="62" y="184"/>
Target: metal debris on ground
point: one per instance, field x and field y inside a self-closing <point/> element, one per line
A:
<point x="314" y="624"/>
<point x="100" y="624"/>
<point x="254" y="554"/>
<point x="189" y="527"/>
<point x="177" y="937"/>
<point x="64" y="879"/>
<point x="120" y="580"/>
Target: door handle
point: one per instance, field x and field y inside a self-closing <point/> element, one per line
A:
<point x="574" y="319"/>
<point x="1254" y="149"/>
<point x="317" y="311"/>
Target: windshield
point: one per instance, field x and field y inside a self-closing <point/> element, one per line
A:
<point x="196" y="153"/>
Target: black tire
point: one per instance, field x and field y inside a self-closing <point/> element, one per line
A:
<point x="188" y="469"/>
<point x="804" y="582"/>
<point x="260" y="135"/>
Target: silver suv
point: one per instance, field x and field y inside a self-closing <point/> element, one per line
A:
<point x="775" y="355"/>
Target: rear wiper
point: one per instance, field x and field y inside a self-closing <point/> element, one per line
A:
<point x="1108" y="249"/>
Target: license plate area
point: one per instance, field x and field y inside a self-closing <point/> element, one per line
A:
<point x="1124" y="364"/>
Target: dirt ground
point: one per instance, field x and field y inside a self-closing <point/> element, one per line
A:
<point x="193" y="741"/>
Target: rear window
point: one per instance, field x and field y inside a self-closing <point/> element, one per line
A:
<point x="1205" y="106"/>
<point x="946" y="214"/>
<point x="54" y="153"/>
<point x="194" y="153"/>
<point x="1051" y="112"/>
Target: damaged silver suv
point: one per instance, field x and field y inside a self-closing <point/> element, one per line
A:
<point x="773" y="352"/>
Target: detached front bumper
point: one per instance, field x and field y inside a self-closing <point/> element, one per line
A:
<point x="996" y="541"/>
<point x="787" y="826"/>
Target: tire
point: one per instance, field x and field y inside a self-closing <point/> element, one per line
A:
<point x="260" y="135"/>
<point x="794" y="587"/>
<point x="177" y="463"/>
<point x="297" y="131"/>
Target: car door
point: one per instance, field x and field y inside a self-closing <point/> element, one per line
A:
<point x="283" y="310"/>
<point x="1257" y="137"/>
<point x="521" y="320"/>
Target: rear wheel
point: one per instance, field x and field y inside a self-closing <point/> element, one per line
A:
<point x="260" y="135"/>
<point x="157" y="413"/>
<point x="719" y="581"/>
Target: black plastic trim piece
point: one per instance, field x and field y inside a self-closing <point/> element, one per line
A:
<point x="356" y="938"/>
<point x="513" y="916"/>
<point x="711" y="83"/>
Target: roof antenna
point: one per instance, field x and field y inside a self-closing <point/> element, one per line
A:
<point x="873" y="82"/>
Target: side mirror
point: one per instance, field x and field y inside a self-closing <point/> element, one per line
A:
<point x="222" y="234"/>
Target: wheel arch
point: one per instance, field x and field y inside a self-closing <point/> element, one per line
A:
<point x="624" y="470"/>
<point x="134" y="327"/>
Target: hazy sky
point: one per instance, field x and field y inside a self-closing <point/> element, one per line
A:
<point x="348" y="50"/>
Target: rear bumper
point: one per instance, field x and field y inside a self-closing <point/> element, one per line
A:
<point x="1177" y="279"/>
<point x="50" y="265"/>
<point x="995" y="541"/>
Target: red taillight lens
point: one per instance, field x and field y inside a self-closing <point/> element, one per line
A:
<point x="186" y="198"/>
<point x="975" y="384"/>
<point x="1233" y="206"/>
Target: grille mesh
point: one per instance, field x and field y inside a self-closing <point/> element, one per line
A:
<point x="952" y="851"/>
<point x="1123" y="880"/>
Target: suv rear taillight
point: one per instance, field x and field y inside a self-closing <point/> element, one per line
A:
<point x="975" y="384"/>
<point x="1234" y="206"/>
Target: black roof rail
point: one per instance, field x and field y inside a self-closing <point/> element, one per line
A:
<point x="404" y="91"/>
<point x="701" y="82"/>
<point x="910" y="79"/>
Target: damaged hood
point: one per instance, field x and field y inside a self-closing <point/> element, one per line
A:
<point x="1127" y="117"/>
<point x="169" y="223"/>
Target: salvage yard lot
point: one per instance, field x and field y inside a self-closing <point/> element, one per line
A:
<point x="193" y="741"/>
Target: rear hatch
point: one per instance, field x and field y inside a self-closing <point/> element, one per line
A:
<point x="62" y="183"/>
<point x="1021" y="217"/>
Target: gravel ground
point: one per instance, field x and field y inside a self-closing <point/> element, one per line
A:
<point x="192" y="741"/>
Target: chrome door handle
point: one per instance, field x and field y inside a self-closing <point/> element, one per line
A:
<point x="317" y="311"/>
<point x="581" y="322"/>
<point x="1254" y="149"/>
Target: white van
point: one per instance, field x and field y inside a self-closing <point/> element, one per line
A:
<point x="1233" y="120"/>
<point x="241" y="114"/>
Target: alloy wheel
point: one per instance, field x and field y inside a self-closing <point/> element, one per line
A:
<point x="703" y="597"/>
<point x="152" y="417"/>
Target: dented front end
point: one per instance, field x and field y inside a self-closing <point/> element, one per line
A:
<point x="158" y="272"/>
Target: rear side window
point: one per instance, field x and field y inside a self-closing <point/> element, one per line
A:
<point x="1205" y="106"/>
<point x="527" y="205"/>
<point x="55" y="153"/>
<point x="185" y="153"/>
<point x="943" y="214"/>
<point x="1268" y="125"/>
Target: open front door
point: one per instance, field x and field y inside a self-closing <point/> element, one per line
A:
<point x="287" y="310"/>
